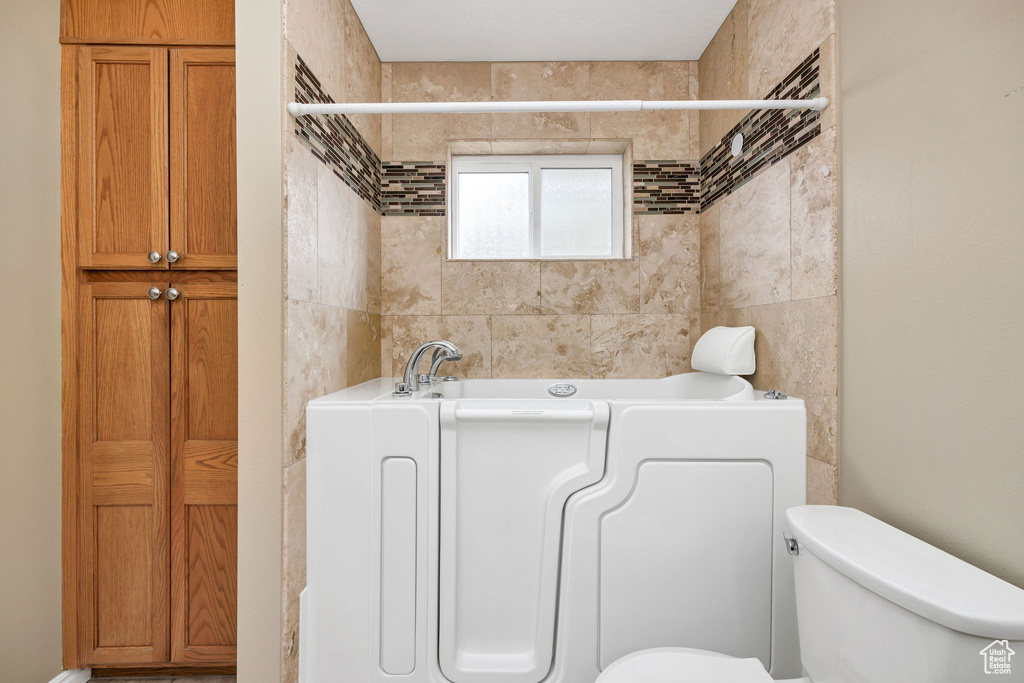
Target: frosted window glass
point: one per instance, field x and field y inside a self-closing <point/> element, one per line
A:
<point x="494" y="216"/>
<point x="576" y="212"/>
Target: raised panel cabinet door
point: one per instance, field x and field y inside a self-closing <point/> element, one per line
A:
<point x="204" y="472"/>
<point x="204" y="217"/>
<point x="124" y="434"/>
<point x="122" y="162"/>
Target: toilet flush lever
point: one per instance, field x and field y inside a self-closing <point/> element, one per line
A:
<point x="792" y="547"/>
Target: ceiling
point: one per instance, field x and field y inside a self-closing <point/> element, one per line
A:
<point x="540" y="30"/>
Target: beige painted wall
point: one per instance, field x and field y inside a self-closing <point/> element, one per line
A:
<point x="769" y="250"/>
<point x="30" y="584"/>
<point x="635" y="317"/>
<point x="259" y="58"/>
<point x="932" y="113"/>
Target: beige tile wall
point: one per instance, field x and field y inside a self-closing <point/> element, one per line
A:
<point x="635" y="317"/>
<point x="332" y="323"/>
<point x="363" y="291"/>
<point x="769" y="251"/>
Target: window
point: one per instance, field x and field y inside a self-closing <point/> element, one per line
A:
<point x="537" y="207"/>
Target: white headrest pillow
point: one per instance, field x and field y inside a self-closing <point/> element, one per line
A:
<point x="725" y="351"/>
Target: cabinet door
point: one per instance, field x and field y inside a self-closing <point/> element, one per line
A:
<point x="202" y="137"/>
<point x="122" y="163"/>
<point x="204" y="472"/>
<point x="123" y="495"/>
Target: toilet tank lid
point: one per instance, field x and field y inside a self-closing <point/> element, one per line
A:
<point x="909" y="572"/>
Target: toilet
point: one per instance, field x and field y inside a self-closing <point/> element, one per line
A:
<point x="874" y="605"/>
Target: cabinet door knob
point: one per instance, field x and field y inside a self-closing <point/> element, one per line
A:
<point x="172" y="294"/>
<point x="154" y="292"/>
<point x="173" y="256"/>
<point x="154" y="257"/>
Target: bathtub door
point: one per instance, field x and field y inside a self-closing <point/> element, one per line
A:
<point x="507" y="468"/>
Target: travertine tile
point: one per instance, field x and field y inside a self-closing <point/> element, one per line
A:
<point x="814" y="201"/>
<point x="411" y="265"/>
<point x="640" y="345"/>
<point x="486" y="287"/>
<point x="407" y="333"/>
<point x="386" y="120"/>
<point x="342" y="242"/>
<point x="695" y="152"/>
<point x="655" y="134"/>
<point x="471" y="333"/>
<point x="670" y="264"/>
<point x="373" y="295"/>
<point x="797" y="352"/>
<point x="822" y="483"/>
<point x="424" y="137"/>
<point x="363" y="346"/>
<point x="723" y="76"/>
<point x="827" y="77"/>
<point x="316" y="28"/>
<point x="555" y="146"/>
<point x="540" y="81"/>
<point x="315" y="365"/>
<point x="386" y="346"/>
<point x="754" y="235"/>
<point x="656" y="80"/>
<point x="300" y="172"/>
<point x="590" y="286"/>
<point x="545" y="346"/>
<point x="781" y="34"/>
<point x="362" y="74"/>
<point x="710" y="259"/>
<point x="294" y="552"/>
<point x="733" y="317"/>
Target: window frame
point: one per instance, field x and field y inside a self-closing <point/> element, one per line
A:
<point x="533" y="164"/>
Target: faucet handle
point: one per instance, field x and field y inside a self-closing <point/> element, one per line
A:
<point x="402" y="389"/>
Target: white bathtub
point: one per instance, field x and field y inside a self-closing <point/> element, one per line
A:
<point x="487" y="531"/>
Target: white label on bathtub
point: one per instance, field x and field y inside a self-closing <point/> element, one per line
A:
<point x="529" y="413"/>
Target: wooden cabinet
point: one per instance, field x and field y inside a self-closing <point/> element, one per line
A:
<point x="204" y="472"/>
<point x="203" y="218"/>
<point x="159" y="465"/>
<point x="150" y="382"/>
<point x="122" y="161"/>
<point x="205" y="22"/>
<point x="156" y="158"/>
<point x="124" y="434"/>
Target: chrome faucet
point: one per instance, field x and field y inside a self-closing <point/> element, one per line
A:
<point x="410" y="382"/>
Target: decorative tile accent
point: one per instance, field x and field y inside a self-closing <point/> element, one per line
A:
<point x="417" y="188"/>
<point x="769" y="135"/>
<point x="335" y="141"/>
<point x="413" y="188"/>
<point x="666" y="187"/>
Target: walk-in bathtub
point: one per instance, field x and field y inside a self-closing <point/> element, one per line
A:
<point x="519" y="531"/>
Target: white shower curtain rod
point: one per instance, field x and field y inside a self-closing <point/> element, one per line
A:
<point x="301" y="109"/>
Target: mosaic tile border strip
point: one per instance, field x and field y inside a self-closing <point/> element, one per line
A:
<point x="413" y="188"/>
<point x="768" y="135"/>
<point x="666" y="187"/>
<point x="335" y="141"/>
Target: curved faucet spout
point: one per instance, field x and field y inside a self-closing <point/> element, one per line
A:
<point x="410" y="381"/>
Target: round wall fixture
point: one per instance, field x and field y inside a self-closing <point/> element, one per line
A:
<point x="562" y="390"/>
<point x="737" y="145"/>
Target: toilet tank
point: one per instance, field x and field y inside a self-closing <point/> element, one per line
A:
<point x="876" y="605"/>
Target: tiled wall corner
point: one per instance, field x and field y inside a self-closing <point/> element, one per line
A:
<point x="332" y="260"/>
